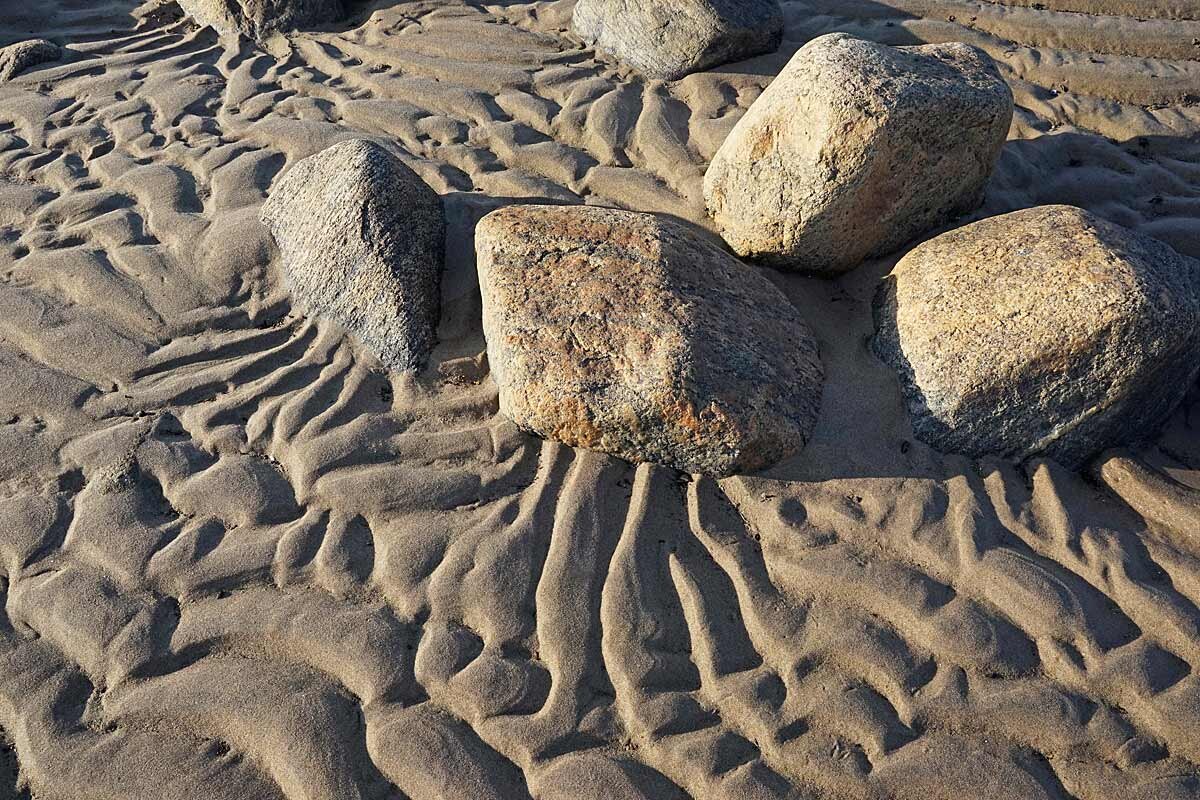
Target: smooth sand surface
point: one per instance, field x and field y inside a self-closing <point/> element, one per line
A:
<point x="240" y="560"/>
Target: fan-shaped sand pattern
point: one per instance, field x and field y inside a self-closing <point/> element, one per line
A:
<point x="241" y="560"/>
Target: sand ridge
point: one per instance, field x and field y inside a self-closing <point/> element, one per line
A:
<point x="240" y="559"/>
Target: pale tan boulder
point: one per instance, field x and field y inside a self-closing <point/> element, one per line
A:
<point x="633" y="335"/>
<point x="1047" y="330"/>
<point x="258" y="19"/>
<point x="856" y="148"/>
<point x="669" y="39"/>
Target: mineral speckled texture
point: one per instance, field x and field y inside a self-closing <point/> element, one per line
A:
<point x="362" y="239"/>
<point x="630" y="334"/>
<point x="1047" y="330"/>
<point x="16" y="58"/>
<point x="856" y="148"/>
<point x="258" y="19"/>
<point x="671" y="39"/>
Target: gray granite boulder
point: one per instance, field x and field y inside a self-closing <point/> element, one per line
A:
<point x="16" y="58"/>
<point x="856" y="148"/>
<point x="258" y="19"/>
<point x="1047" y="330"/>
<point x="633" y="335"/>
<point x="362" y="239"/>
<point x="671" y="38"/>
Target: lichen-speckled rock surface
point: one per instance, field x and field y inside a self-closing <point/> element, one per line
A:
<point x="362" y="239"/>
<point x="856" y="148"/>
<point x="16" y="58"/>
<point x="1047" y="330"/>
<point x="671" y="39"/>
<point x="630" y="334"/>
<point x="258" y="19"/>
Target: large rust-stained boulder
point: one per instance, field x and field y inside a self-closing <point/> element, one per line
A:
<point x="856" y="148"/>
<point x="632" y="335"/>
<point x="1047" y="330"/>
<point x="362" y="239"/>
<point x="258" y="19"/>
<point x="671" y="38"/>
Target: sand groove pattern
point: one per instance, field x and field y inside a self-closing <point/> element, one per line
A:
<point x="239" y="559"/>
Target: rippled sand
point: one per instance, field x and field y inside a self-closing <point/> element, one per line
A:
<point x="242" y="561"/>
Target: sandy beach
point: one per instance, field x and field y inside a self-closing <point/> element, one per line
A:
<point x="241" y="558"/>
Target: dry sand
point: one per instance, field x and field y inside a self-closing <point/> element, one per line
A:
<point x="240" y="560"/>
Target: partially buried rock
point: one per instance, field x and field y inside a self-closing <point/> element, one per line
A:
<point x="669" y="39"/>
<point x="258" y="19"/>
<point x="16" y="58"/>
<point x="362" y="239"/>
<point x="856" y="148"/>
<point x="1046" y="330"/>
<point x="630" y="334"/>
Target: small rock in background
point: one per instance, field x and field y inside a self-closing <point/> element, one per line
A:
<point x="258" y="19"/>
<point x="856" y="148"/>
<point x="362" y="239"/>
<point x="668" y="40"/>
<point x="16" y="58"/>
<point x="633" y="335"/>
<point x="1047" y="330"/>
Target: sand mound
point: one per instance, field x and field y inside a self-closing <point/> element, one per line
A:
<point x="240" y="559"/>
